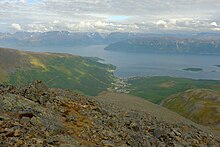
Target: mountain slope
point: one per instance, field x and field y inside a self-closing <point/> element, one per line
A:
<point x="58" y="70"/>
<point x="200" y="105"/>
<point x="49" y="39"/>
<point x="167" y="45"/>
<point x="156" y="89"/>
<point x="36" y="115"/>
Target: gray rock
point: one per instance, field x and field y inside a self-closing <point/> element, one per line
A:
<point x="134" y="126"/>
<point x="71" y="118"/>
<point x="159" y="132"/>
<point x="176" y="133"/>
<point x="46" y="121"/>
<point x="36" y="121"/>
<point x="25" y="120"/>
<point x="108" y="143"/>
<point x="3" y="118"/>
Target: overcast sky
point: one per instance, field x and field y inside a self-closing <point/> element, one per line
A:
<point x="154" y="16"/>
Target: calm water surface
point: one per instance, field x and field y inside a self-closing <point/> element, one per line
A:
<point x="134" y="64"/>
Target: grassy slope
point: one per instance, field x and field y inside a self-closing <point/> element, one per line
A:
<point x="156" y="89"/>
<point x="57" y="70"/>
<point x="201" y="105"/>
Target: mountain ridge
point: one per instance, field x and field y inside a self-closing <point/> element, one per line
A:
<point x="69" y="39"/>
<point x="167" y="45"/>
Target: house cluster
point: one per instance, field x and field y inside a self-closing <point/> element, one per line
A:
<point x="121" y="86"/>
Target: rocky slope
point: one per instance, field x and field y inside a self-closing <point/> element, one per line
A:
<point x="199" y="105"/>
<point x="52" y="117"/>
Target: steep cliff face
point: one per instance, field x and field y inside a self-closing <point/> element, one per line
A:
<point x="39" y="115"/>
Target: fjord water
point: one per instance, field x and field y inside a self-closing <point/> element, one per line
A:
<point x="136" y="64"/>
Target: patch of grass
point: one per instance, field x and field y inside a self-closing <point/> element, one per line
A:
<point x="156" y="89"/>
<point x="3" y="76"/>
<point x="36" y="62"/>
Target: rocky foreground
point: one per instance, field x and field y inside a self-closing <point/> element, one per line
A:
<point x="36" y="115"/>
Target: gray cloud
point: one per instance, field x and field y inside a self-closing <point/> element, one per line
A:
<point x="97" y="15"/>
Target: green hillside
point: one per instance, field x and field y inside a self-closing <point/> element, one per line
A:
<point x="56" y="70"/>
<point x="156" y="89"/>
<point x="200" y="105"/>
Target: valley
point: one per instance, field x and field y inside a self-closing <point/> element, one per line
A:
<point x="92" y="76"/>
<point x="109" y="73"/>
<point x="155" y="89"/>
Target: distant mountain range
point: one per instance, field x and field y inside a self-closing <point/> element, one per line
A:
<point x="61" y="38"/>
<point x="49" y="39"/>
<point x="202" y="43"/>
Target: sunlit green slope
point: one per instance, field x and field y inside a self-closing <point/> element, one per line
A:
<point x="56" y="70"/>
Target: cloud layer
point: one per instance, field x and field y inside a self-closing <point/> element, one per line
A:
<point x="110" y="15"/>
